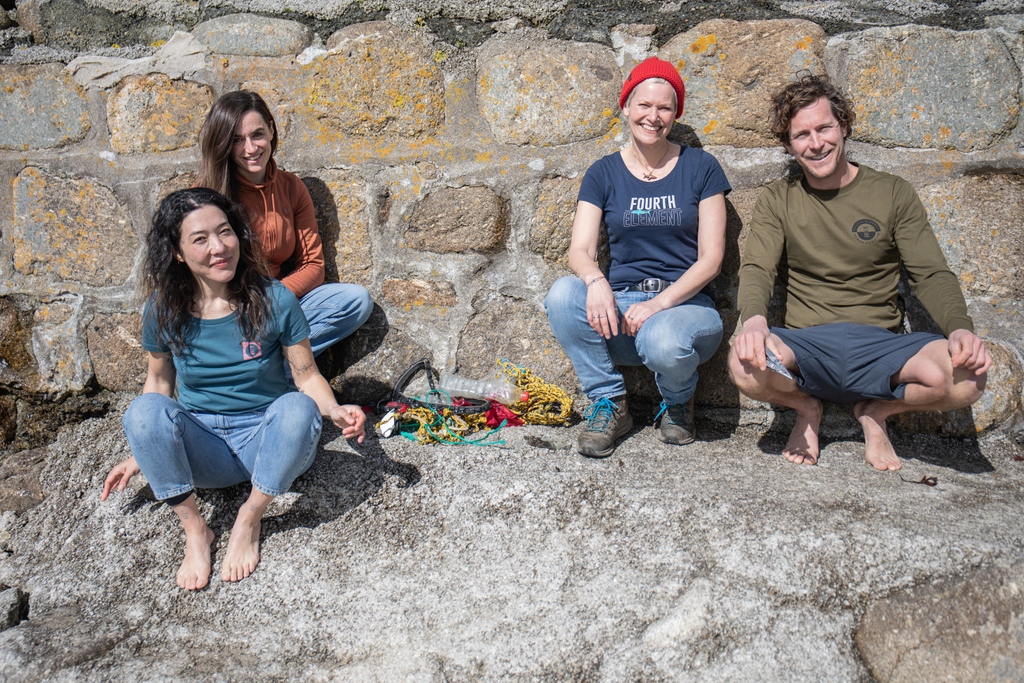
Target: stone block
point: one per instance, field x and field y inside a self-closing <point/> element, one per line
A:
<point x="81" y="25"/>
<point x="115" y="349"/>
<point x="416" y="292"/>
<point x="20" y="489"/>
<point x="714" y="388"/>
<point x="739" y="208"/>
<point x="71" y="229"/>
<point x="40" y="107"/>
<point x="978" y="220"/>
<point x="378" y="80"/>
<point x="155" y="114"/>
<point x="517" y="330"/>
<point x="8" y="420"/>
<point x="730" y="68"/>
<point x="457" y="220"/>
<point x="15" y="339"/>
<point x="181" y="181"/>
<point x="962" y="628"/>
<point x="551" y="229"/>
<point x="13" y="607"/>
<point x="547" y="92"/>
<point x="918" y="86"/>
<point x="339" y="199"/>
<point x="373" y="358"/>
<point x="251" y="34"/>
<point x="61" y="356"/>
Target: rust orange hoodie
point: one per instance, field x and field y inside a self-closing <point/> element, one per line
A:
<point x="281" y="213"/>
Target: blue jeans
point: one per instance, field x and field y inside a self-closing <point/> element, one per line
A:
<point x="334" y="311"/>
<point x="179" y="450"/>
<point x="672" y="342"/>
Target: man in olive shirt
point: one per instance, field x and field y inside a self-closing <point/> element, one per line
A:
<point x="837" y="236"/>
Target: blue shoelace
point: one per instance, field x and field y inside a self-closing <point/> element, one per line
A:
<point x="664" y="409"/>
<point x="599" y="415"/>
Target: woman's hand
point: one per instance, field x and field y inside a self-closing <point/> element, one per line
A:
<point x="637" y="315"/>
<point x="602" y="313"/>
<point x="350" y="420"/>
<point x="119" y="477"/>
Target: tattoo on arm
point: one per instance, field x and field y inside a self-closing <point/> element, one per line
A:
<point x="303" y="370"/>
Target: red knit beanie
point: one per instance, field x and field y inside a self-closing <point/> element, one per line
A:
<point x="652" y="67"/>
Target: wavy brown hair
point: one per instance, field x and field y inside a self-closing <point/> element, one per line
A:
<point x="170" y="287"/>
<point x="217" y="138"/>
<point x="803" y="93"/>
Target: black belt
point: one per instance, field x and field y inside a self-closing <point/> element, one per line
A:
<point x="651" y="284"/>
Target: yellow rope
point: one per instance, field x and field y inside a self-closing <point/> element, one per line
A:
<point x="547" y="405"/>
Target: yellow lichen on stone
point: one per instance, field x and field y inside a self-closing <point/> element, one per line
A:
<point x="703" y="43"/>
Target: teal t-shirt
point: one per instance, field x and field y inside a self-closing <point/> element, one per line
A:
<point x="221" y="372"/>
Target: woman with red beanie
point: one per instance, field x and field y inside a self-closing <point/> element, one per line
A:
<point x="237" y="145"/>
<point x="664" y="209"/>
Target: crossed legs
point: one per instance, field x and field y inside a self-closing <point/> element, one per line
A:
<point x="932" y="383"/>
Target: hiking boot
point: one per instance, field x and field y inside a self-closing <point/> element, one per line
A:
<point x="676" y="422"/>
<point x="607" y="422"/>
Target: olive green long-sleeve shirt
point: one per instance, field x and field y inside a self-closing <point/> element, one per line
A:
<point x="838" y="255"/>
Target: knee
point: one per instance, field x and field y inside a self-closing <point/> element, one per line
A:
<point x="294" y="407"/>
<point x="967" y="390"/>
<point x="363" y="303"/>
<point x="741" y="373"/>
<point x="563" y="295"/>
<point x="663" y="352"/>
<point x="146" y="412"/>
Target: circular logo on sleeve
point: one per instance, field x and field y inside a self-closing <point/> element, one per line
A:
<point x="866" y="229"/>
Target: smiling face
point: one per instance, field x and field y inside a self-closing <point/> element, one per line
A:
<point x="818" y="143"/>
<point x="252" y="147"/>
<point x="209" y="247"/>
<point x="651" y="110"/>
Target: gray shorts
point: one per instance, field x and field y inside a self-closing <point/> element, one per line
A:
<point x="848" y="363"/>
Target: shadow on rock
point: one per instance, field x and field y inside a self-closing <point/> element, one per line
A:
<point x="339" y="481"/>
<point x="909" y="436"/>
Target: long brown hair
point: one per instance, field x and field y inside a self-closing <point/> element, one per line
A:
<point x="169" y="286"/>
<point x="217" y="138"/>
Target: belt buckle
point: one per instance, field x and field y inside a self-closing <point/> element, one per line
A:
<point x="651" y="284"/>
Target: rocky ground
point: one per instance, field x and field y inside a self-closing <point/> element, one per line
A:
<point x="394" y="561"/>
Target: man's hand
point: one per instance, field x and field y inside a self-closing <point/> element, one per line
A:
<point x="751" y="340"/>
<point x="119" y="477"/>
<point x="967" y="351"/>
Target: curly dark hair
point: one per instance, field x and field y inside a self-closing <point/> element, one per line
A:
<point x="803" y="93"/>
<point x="171" y="289"/>
<point x="217" y="138"/>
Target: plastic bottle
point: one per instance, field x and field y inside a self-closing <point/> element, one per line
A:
<point x="500" y="390"/>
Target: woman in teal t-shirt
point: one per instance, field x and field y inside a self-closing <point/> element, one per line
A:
<point x="218" y="334"/>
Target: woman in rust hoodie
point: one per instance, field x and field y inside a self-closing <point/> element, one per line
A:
<point x="237" y="144"/>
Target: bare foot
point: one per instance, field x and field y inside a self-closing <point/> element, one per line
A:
<point x="802" y="447"/>
<point x="194" y="572"/>
<point x="243" y="553"/>
<point x="878" y="450"/>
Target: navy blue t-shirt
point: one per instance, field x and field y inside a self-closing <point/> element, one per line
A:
<point x="224" y="373"/>
<point x="652" y="227"/>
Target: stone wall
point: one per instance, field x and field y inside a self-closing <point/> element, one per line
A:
<point x="444" y="173"/>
